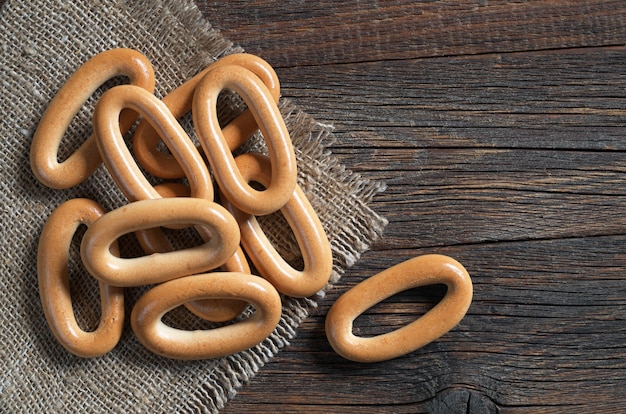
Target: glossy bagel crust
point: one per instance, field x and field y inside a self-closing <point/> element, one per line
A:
<point x="217" y="150"/>
<point x="419" y="271"/>
<point x="118" y="158"/>
<point x="180" y="100"/>
<point x="54" y="289"/>
<point x="306" y="226"/>
<point x="159" y="267"/>
<point x="212" y="343"/>
<point x="68" y="102"/>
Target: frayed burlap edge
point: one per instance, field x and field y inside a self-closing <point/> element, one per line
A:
<point x="318" y="170"/>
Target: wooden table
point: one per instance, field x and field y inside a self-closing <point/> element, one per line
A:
<point x="498" y="127"/>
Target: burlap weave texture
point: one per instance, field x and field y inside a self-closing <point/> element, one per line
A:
<point x="42" y="42"/>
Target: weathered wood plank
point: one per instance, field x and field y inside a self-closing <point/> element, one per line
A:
<point x="510" y="162"/>
<point x="438" y="197"/>
<point x="545" y="333"/>
<point x="571" y="99"/>
<point x="296" y="33"/>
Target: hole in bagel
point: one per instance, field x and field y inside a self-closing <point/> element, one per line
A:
<point x="282" y="238"/>
<point x="183" y="319"/>
<point x="257" y="185"/>
<point x="84" y="289"/>
<point x="398" y="310"/>
<point x="80" y="126"/>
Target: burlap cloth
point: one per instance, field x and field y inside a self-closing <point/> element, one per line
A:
<point x="41" y="43"/>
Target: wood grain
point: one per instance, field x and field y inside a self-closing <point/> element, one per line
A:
<point x="498" y="128"/>
<point x="364" y="31"/>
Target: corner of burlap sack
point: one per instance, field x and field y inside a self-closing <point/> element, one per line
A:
<point x="42" y="43"/>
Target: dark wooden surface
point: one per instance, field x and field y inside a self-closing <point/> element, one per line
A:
<point x="499" y="128"/>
